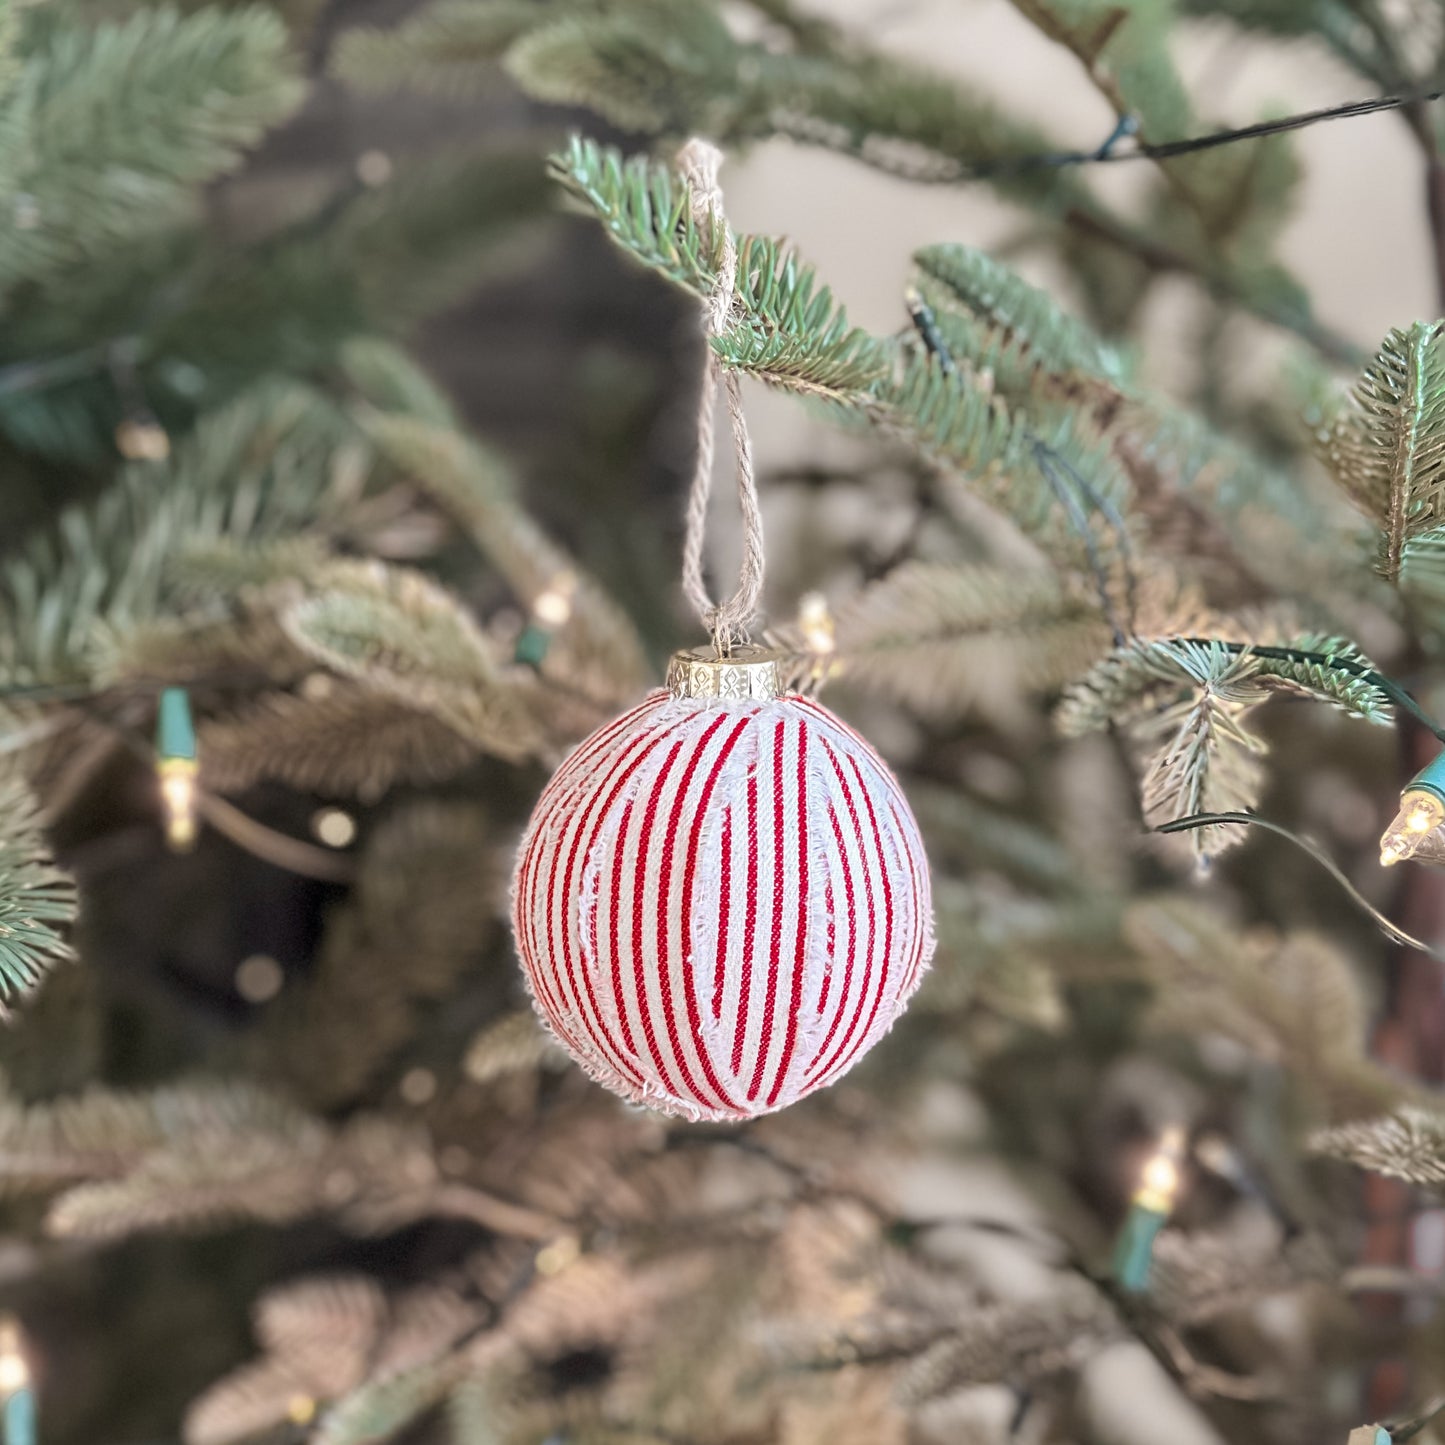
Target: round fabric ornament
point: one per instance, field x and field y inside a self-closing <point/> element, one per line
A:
<point x="722" y="901"/>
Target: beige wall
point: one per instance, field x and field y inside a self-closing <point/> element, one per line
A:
<point x="1358" y="238"/>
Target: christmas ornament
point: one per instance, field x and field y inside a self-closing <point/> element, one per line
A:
<point x="722" y="901"/>
<point x="1149" y="1211"/>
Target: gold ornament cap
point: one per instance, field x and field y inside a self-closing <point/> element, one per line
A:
<point x="747" y="673"/>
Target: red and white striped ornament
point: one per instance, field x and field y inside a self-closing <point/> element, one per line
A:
<point x="722" y="901"/>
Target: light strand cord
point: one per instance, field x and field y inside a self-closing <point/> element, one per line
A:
<point x="1392" y="931"/>
<point x="728" y="621"/>
<point x="1112" y="152"/>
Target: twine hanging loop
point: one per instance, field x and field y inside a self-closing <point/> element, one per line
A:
<point x="699" y="162"/>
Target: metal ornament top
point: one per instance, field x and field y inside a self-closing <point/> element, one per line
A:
<point x="747" y="673"/>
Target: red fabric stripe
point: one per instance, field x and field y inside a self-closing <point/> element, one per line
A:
<point x="639" y="890"/>
<point x="775" y="945"/>
<point x="723" y="907"/>
<point x="664" y="928"/>
<point x="816" y="1072"/>
<point x="852" y="927"/>
<point x="619" y="852"/>
<point x="689" y="872"/>
<point x="861" y="745"/>
<point x="887" y="915"/>
<point x="582" y="844"/>
<point x="800" y="943"/>
<point x="750" y="923"/>
<point x="620" y="847"/>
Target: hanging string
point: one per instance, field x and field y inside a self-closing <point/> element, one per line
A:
<point x="728" y="621"/>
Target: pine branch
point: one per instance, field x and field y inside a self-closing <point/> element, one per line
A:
<point x="960" y="280"/>
<point x="1295" y="1001"/>
<point x="948" y="638"/>
<point x="1204" y="499"/>
<point x="598" y="650"/>
<point x="260" y="468"/>
<point x="1319" y="680"/>
<point x="422" y="912"/>
<point x="1408" y="1144"/>
<point x="646" y="210"/>
<point x="786" y="329"/>
<point x="379" y="1410"/>
<point x="125" y="121"/>
<point x="397" y="633"/>
<point x="337" y="1346"/>
<point x="345" y="740"/>
<point x="516" y="1042"/>
<point x="1387" y="449"/>
<point x="37" y="900"/>
<point x="1183" y="700"/>
<point x="445" y="51"/>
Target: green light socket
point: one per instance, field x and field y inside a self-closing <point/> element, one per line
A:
<point x="175" y="728"/>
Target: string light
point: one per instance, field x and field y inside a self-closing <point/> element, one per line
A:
<point x="1422" y="811"/>
<point x="16" y="1390"/>
<point x="259" y="978"/>
<point x="816" y="623"/>
<point x="177" y="767"/>
<point x="551" y="610"/>
<point x="334" y="827"/>
<point x="555" y="1257"/>
<point x="1149" y="1209"/>
<point x="141" y="438"/>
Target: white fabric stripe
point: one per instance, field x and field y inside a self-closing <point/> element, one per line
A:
<point x="621" y="870"/>
<point x="573" y="788"/>
<point x="584" y="825"/>
<point x="885" y="980"/>
<point x="869" y="947"/>
<point x="754" y="1005"/>
<point x="560" y="906"/>
<point x="661" y="796"/>
<point x="847" y="938"/>
<point x="734" y="795"/>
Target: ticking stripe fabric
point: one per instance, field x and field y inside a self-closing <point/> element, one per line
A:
<point x="722" y="906"/>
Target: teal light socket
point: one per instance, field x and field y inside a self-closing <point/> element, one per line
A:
<point x="20" y="1421"/>
<point x="1134" y="1248"/>
<point x="1431" y="778"/>
<point x="532" y="645"/>
<point x="175" y="728"/>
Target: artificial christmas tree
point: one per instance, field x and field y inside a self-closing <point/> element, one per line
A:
<point x="288" y="1156"/>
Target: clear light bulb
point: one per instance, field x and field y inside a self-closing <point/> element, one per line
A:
<point x="553" y="607"/>
<point x="178" y="796"/>
<point x="1421" y="813"/>
<point x="816" y="623"/>
<point x="14" y="1372"/>
<point x="1159" y="1180"/>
